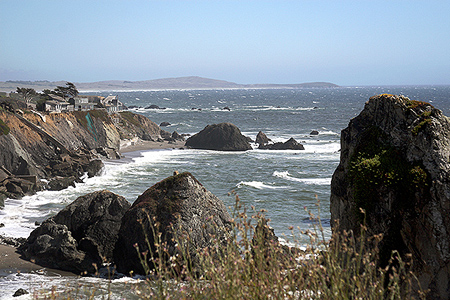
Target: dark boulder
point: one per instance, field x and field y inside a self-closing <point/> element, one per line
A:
<point x="176" y="136"/>
<point x="394" y="165"/>
<point x="314" y="132"/>
<point x="222" y="137"/>
<point x="60" y="183"/>
<point x="154" y="106"/>
<point x="177" y="208"/>
<point x="85" y="231"/>
<point x="290" y="144"/>
<point x="164" y="124"/>
<point x="20" y="292"/>
<point x="94" y="167"/>
<point x="261" y="138"/>
<point x="226" y="108"/>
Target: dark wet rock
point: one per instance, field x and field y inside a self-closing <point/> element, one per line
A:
<point x="60" y="183"/>
<point x="222" y="137"/>
<point x="261" y="138"/>
<point x="290" y="144"/>
<point x="94" y="167"/>
<point x="82" y="234"/>
<point x="314" y="132"/>
<point x="154" y="106"/>
<point x="176" y="136"/>
<point x="177" y="207"/>
<point x="164" y="124"/>
<point x="226" y="108"/>
<point x="20" y="292"/>
<point x="394" y="165"/>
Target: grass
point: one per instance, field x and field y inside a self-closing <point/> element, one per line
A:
<point x="4" y="129"/>
<point x="251" y="266"/>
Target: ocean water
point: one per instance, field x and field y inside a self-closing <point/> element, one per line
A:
<point x="286" y="184"/>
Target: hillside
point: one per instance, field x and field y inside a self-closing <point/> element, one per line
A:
<point x="190" y="82"/>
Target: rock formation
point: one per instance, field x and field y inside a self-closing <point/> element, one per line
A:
<point x="261" y="138"/>
<point x="222" y="137"/>
<point x="290" y="144"/>
<point x="395" y="165"/>
<point x="182" y="211"/>
<point x="83" y="233"/>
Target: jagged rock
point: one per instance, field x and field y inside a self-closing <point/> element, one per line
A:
<point x="181" y="206"/>
<point x="165" y="135"/>
<point x="290" y="144"/>
<point x="261" y="138"/>
<point x="164" y="124"/>
<point x="94" y="167"/>
<point x="394" y="164"/>
<point x="222" y="137"/>
<point x="20" y="292"/>
<point x="85" y="232"/>
<point x="314" y="132"/>
<point x="59" y="183"/>
<point x="177" y="136"/>
<point x="2" y="199"/>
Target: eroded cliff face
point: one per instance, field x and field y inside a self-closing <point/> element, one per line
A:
<point x="61" y="147"/>
<point x="395" y="165"/>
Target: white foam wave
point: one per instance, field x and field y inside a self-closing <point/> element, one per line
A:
<point x="257" y="185"/>
<point x="309" y="181"/>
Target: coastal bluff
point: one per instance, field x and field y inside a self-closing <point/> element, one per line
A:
<point x="394" y="165"/>
<point x="53" y="151"/>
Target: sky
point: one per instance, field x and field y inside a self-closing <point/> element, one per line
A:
<point x="349" y="43"/>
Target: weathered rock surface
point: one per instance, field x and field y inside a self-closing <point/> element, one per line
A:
<point x="83" y="233"/>
<point x="261" y="138"/>
<point x="290" y="144"/>
<point x="314" y="132"/>
<point x="222" y="137"/>
<point x="395" y="165"/>
<point x="164" y="124"/>
<point x="181" y="207"/>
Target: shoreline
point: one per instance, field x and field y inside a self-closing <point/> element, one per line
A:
<point x="127" y="146"/>
<point x="11" y="262"/>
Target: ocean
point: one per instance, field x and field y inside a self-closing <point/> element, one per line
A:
<point x="287" y="184"/>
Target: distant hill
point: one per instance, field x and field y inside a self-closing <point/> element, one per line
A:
<point x="190" y="82"/>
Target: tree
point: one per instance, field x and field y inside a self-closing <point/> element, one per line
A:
<point x="69" y="90"/>
<point x="26" y="93"/>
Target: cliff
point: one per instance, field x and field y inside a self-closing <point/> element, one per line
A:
<point x="395" y="165"/>
<point x="60" y="148"/>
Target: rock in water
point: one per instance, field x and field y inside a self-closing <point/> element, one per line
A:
<point x="83" y="233"/>
<point x="290" y="144"/>
<point x="181" y="207"/>
<point x="222" y="137"/>
<point x="395" y="165"/>
<point x="261" y="138"/>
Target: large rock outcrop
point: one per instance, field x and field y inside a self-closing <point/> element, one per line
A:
<point x="182" y="211"/>
<point x="222" y="137"/>
<point x="83" y="233"/>
<point x="290" y="144"/>
<point x="395" y="165"/>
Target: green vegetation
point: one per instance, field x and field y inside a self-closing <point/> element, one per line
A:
<point x="260" y="268"/>
<point x="4" y="129"/>
<point x="378" y="168"/>
<point x="129" y="117"/>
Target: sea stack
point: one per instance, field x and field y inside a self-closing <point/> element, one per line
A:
<point x="222" y="137"/>
<point x="395" y="165"/>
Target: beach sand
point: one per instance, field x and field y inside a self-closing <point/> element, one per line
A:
<point x="11" y="263"/>
<point x="141" y="145"/>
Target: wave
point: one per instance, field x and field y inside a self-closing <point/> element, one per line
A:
<point x="258" y="185"/>
<point x="309" y="181"/>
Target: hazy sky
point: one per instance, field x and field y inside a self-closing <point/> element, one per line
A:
<point x="360" y="42"/>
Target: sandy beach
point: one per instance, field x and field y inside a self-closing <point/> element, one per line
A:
<point x="141" y="145"/>
<point x="11" y="263"/>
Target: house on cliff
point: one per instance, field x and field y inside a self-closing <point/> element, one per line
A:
<point x="112" y="104"/>
<point x="58" y="104"/>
